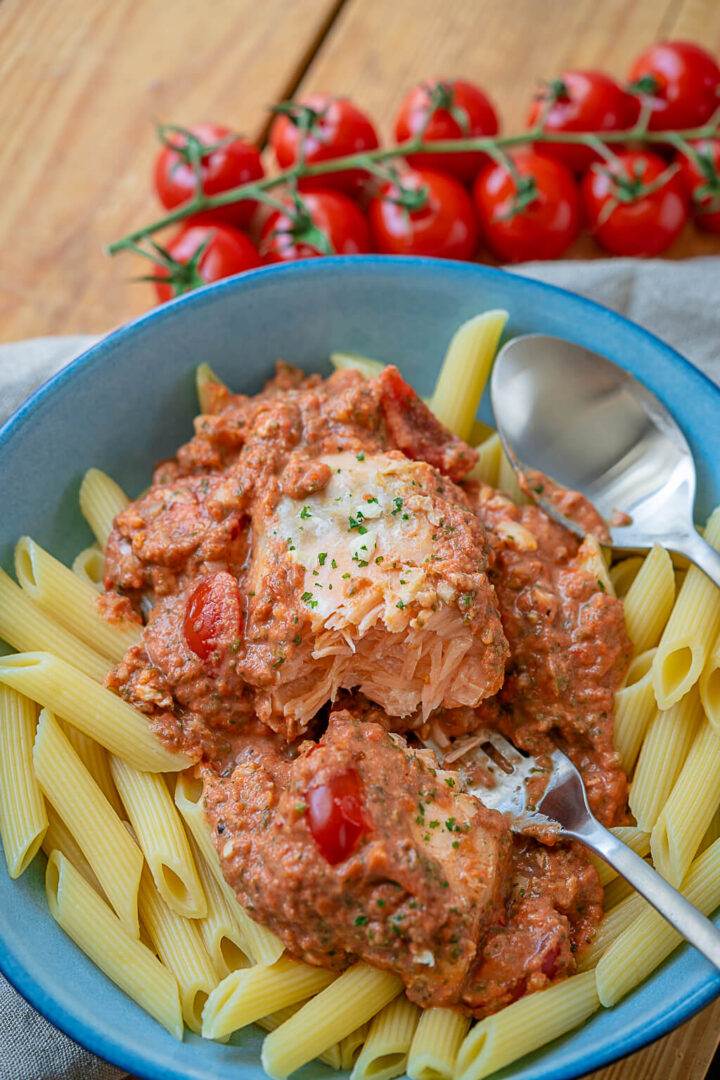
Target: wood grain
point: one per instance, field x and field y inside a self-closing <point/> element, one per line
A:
<point x="81" y="84"/>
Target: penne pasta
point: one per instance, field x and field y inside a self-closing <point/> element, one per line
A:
<point x="650" y="599"/>
<point x="616" y="891"/>
<point x="385" y="1052"/>
<point x="710" y="685"/>
<point x="25" y="626"/>
<point x="101" y="500"/>
<point x="465" y="371"/>
<point x="23" y="817"/>
<point x="249" y="994"/>
<point x="507" y="480"/>
<point x="264" y="947"/>
<point x="636" y="839"/>
<point x="690" y="808"/>
<point x="332" y="1056"/>
<point x="161" y="838"/>
<point x="649" y="938"/>
<point x="487" y="468"/>
<point x="219" y="928"/>
<point x="479" y="432"/>
<point x="351" y="1000"/>
<point x="526" y="1025"/>
<point x="178" y="943"/>
<point x="348" y="361"/>
<point x="613" y="924"/>
<point x="623" y="573"/>
<point x="59" y="838"/>
<point x="95" y="759"/>
<point x="99" y="933"/>
<point x="206" y="383"/>
<point x="435" y="1046"/>
<point x="690" y="631"/>
<point x="634" y="709"/>
<point x="89" y="565"/>
<point x="61" y="593"/>
<point x="96" y="828"/>
<point x="98" y="712"/>
<point x="665" y="747"/>
<point x="349" y="1048"/>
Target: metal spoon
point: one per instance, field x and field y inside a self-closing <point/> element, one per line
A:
<point x="575" y="416"/>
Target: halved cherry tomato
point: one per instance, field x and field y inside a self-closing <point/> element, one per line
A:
<point x="534" y="217"/>
<point x="317" y="223"/>
<point x="336" y="128"/>
<point x="426" y="213"/>
<point x="581" y="101"/>
<point x="228" y="163"/>
<point x="456" y="109"/>
<point x="701" y="176"/>
<point x="681" y="81"/>
<point x="623" y="215"/>
<point x="212" y="614"/>
<point x="336" y="815"/>
<point x="226" y="251"/>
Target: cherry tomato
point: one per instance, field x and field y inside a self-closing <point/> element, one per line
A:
<point x="682" y="82"/>
<point x="534" y="217"/>
<point x="223" y="251"/>
<point x="701" y="176"/>
<point x="212" y="614"/>
<point x="319" y="223"/>
<point x="426" y="213"/>
<point x="337" y="128"/>
<point x="456" y="109"/>
<point x="335" y="815"/>
<point x="224" y="166"/>
<point x="626" y="218"/>
<point x="581" y="101"/>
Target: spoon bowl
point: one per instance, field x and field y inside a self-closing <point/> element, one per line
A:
<point x="573" y="415"/>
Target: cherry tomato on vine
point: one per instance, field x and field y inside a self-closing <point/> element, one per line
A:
<point x="535" y="214"/>
<point x="227" y="162"/>
<point x="581" y="101"/>
<point x="212" y="614"/>
<point x="336" y="817"/>
<point x="424" y="213"/>
<point x="199" y="254"/>
<point x="336" y="128"/>
<point x="635" y="206"/>
<point x="447" y="109"/>
<point x="682" y="82"/>
<point x="700" y="173"/>
<point x="316" y="223"/>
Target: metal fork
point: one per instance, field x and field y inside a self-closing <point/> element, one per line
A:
<point x="564" y="809"/>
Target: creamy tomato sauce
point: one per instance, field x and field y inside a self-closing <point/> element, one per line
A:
<point x="320" y="591"/>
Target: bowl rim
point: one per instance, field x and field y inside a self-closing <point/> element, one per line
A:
<point x="52" y="1009"/>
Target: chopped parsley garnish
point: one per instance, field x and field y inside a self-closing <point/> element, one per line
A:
<point x="398" y="505"/>
<point x="307" y="598"/>
<point x="400" y="604"/>
<point x="357" y="523"/>
<point x="322" y="557"/>
<point x="333" y="564"/>
<point x="360" y="456"/>
<point x="305" y="512"/>
<point x="301" y="807"/>
<point x="361" y="920"/>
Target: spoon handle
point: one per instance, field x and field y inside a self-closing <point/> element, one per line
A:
<point x="705" y="557"/>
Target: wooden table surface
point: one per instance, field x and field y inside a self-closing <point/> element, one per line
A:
<point x="81" y="82"/>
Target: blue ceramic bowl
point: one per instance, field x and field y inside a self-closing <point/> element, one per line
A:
<point x="130" y="400"/>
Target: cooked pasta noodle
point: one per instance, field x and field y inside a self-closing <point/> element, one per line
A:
<point x="219" y="928"/>
<point x="59" y="838"/>
<point x="161" y="837"/>
<point x="89" y="565"/>
<point x="96" y="828"/>
<point x="388" y="1041"/>
<point x="438" y="1038"/>
<point x="613" y="924"/>
<point x="205" y="381"/>
<point x="99" y="933"/>
<point x="634" y="709"/>
<point x="649" y="600"/>
<point x="62" y="594"/>
<point x="710" y="685"/>
<point x="690" y="631"/>
<point x="343" y="361"/>
<point x="465" y="371"/>
<point x="623" y="573"/>
<point x="490" y="454"/>
<point x="23" y="818"/>
<point x="101" y="500"/>
<point x="666" y="745"/>
<point x="95" y="759"/>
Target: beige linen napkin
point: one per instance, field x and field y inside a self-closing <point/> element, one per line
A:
<point x="678" y="301"/>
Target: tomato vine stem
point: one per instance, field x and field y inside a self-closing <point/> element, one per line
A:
<point x="493" y="145"/>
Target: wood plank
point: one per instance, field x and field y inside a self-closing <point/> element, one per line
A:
<point x="376" y="50"/>
<point x="81" y="84"/>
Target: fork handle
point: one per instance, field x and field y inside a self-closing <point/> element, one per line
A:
<point x="671" y="904"/>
